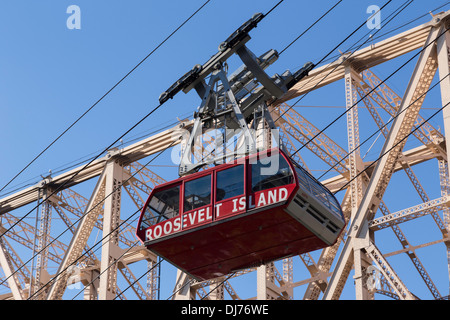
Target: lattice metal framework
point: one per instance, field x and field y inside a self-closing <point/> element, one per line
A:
<point x="37" y="265"/>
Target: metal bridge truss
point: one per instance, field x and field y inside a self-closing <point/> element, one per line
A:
<point x="99" y="255"/>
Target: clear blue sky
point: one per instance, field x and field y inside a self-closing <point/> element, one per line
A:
<point x="50" y="75"/>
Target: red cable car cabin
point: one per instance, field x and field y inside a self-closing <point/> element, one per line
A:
<point x="233" y="216"/>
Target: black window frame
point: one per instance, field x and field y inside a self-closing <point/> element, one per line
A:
<point x="196" y="205"/>
<point x="242" y="181"/>
<point x="265" y="184"/>
<point x="153" y="213"/>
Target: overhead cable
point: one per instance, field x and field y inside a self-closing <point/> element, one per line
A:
<point x="382" y="127"/>
<point x="105" y="94"/>
<point x="86" y="213"/>
<point x="373" y="89"/>
<point x="307" y="29"/>
<point x="145" y="117"/>
<point x="394" y="146"/>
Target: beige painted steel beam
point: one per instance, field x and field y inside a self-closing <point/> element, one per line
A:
<point x="389" y="274"/>
<point x="23" y="233"/>
<point x="408" y="214"/>
<point x="359" y="60"/>
<point x="80" y="238"/>
<point x="111" y="251"/>
<point x="412" y="255"/>
<point x="354" y="160"/>
<point x="130" y="154"/>
<point x="443" y="53"/>
<point x="183" y="289"/>
<point x="6" y="265"/>
<point x="365" y="58"/>
<point x="302" y="130"/>
<point x="413" y="157"/>
<point x="358" y="231"/>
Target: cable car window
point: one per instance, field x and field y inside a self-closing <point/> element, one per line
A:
<point x="303" y="178"/>
<point x="334" y="205"/>
<point x="230" y="183"/>
<point x="163" y="205"/>
<point x="320" y="192"/>
<point x="271" y="172"/>
<point x="197" y="193"/>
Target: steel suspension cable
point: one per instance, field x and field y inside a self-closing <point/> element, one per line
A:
<point x="221" y="283"/>
<point x="343" y="187"/>
<point x="134" y="282"/>
<point x="307" y="29"/>
<point x="382" y="127"/>
<point x="280" y="2"/>
<point x="401" y="8"/>
<point x="394" y="29"/>
<point x="61" y="186"/>
<point x="394" y="14"/>
<point x="292" y="42"/>
<point x="341" y="115"/>
<point x="417" y="128"/>
<point x="132" y="128"/>
<point x="78" y="162"/>
<point x="182" y="287"/>
<point x="373" y="89"/>
<point x="395" y="145"/>
<point x="79" y="219"/>
<point x="273" y="8"/>
<point x="265" y="15"/>
<point x="406" y="4"/>
<point x="352" y="33"/>
<point x="118" y="258"/>
<point x="106" y="94"/>
<point x="185" y="284"/>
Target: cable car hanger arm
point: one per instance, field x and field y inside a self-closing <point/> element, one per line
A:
<point x="235" y="43"/>
<point x="232" y="102"/>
